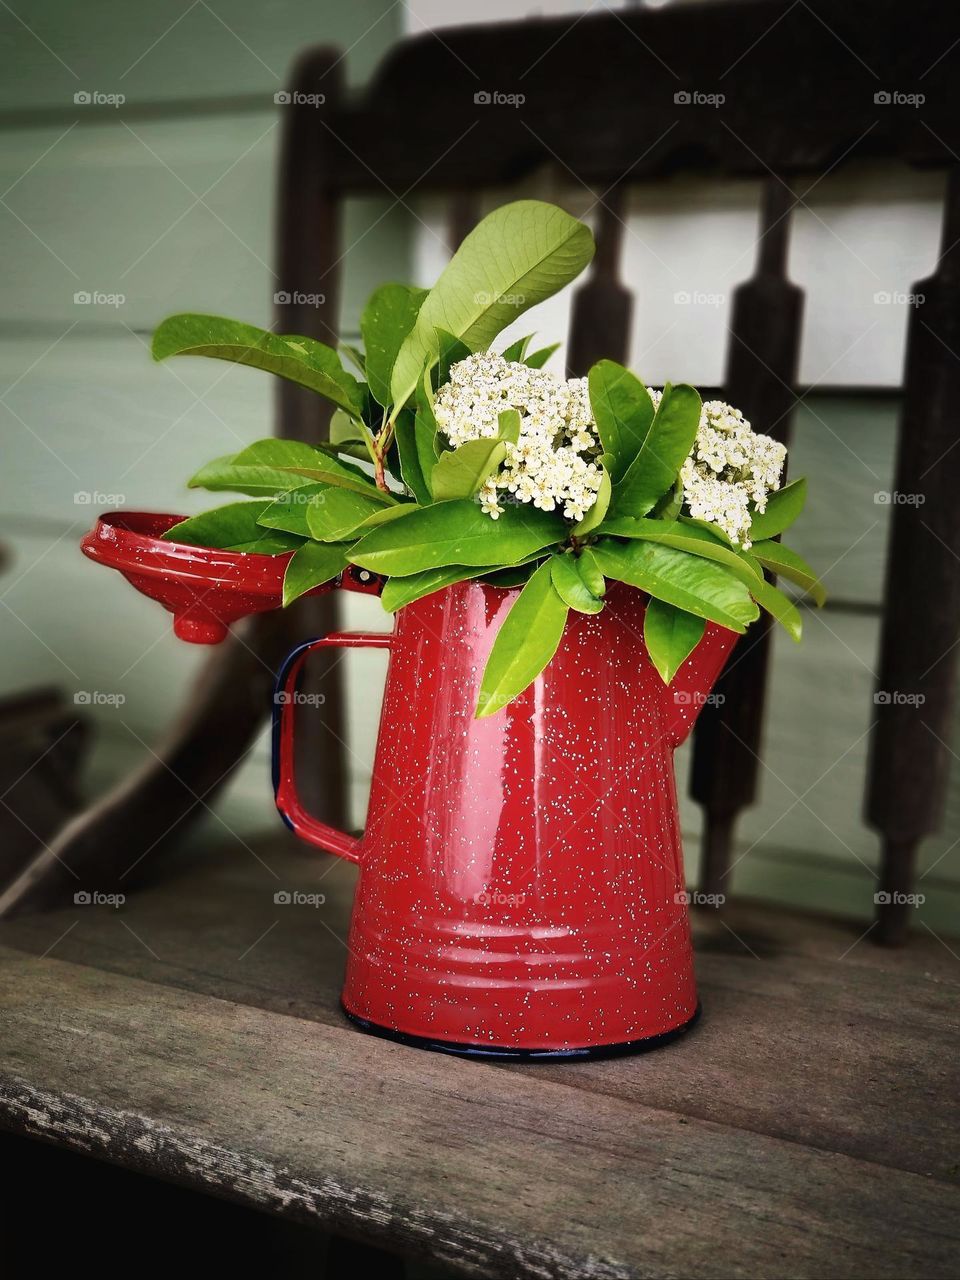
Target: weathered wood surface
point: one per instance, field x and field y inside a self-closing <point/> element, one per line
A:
<point x="806" y="1128"/>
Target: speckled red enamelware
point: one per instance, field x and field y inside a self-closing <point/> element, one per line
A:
<point x="205" y="589"/>
<point x="521" y="890"/>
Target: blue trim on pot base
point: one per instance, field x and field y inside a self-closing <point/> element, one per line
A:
<point x="494" y="1053"/>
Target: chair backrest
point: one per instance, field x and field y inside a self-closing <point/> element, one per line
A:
<point x="609" y="100"/>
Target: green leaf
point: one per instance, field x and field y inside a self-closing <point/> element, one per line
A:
<point x="591" y="572"/>
<point x="328" y="470"/>
<point x="302" y="360"/>
<point x="345" y="430"/>
<point x="450" y="351"/>
<point x="508" y="426"/>
<point x="623" y="412"/>
<point x="686" y="537"/>
<point x="388" y="317"/>
<point x="527" y="640"/>
<point x="402" y="591"/>
<point x="220" y="475"/>
<point x="783" y="507"/>
<point x="666" y="447"/>
<point x="427" y="435"/>
<point x="514" y="258"/>
<point x="515" y="576"/>
<point x="460" y="472"/>
<point x="274" y="466"/>
<point x="334" y="514"/>
<point x="517" y="350"/>
<point x="233" y="528"/>
<point x="385" y="514"/>
<point x="595" y="515"/>
<point x="289" y="511"/>
<point x="411" y="463"/>
<point x="356" y="358"/>
<point x="456" y="532"/>
<point x="779" y="607"/>
<point x="671" y="635"/>
<point x="255" y="470"/>
<point x="671" y="504"/>
<point x="571" y="586"/>
<point x="781" y="560"/>
<point x="690" y="582"/>
<point x="312" y="564"/>
<point x="539" y="358"/>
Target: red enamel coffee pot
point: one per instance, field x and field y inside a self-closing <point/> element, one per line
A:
<point x="521" y="890"/>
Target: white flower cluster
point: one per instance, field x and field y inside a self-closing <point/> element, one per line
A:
<point x="551" y="464"/>
<point x="729" y="467"/>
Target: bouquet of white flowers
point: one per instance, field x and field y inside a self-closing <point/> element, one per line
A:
<point x="450" y="461"/>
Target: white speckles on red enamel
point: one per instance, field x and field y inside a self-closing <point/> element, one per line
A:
<point x="522" y="875"/>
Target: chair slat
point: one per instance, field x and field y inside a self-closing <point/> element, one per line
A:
<point x="762" y="364"/>
<point x="603" y="307"/>
<point x="307" y="254"/>
<point x="921" y="623"/>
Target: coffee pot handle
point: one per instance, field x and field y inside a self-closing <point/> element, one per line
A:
<point x="291" y="810"/>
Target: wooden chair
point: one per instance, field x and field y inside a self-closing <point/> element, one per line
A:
<point x="600" y="106"/>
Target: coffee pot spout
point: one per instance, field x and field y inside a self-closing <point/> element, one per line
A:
<point x="690" y="689"/>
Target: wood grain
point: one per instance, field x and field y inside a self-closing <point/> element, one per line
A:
<point x="807" y="1128"/>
